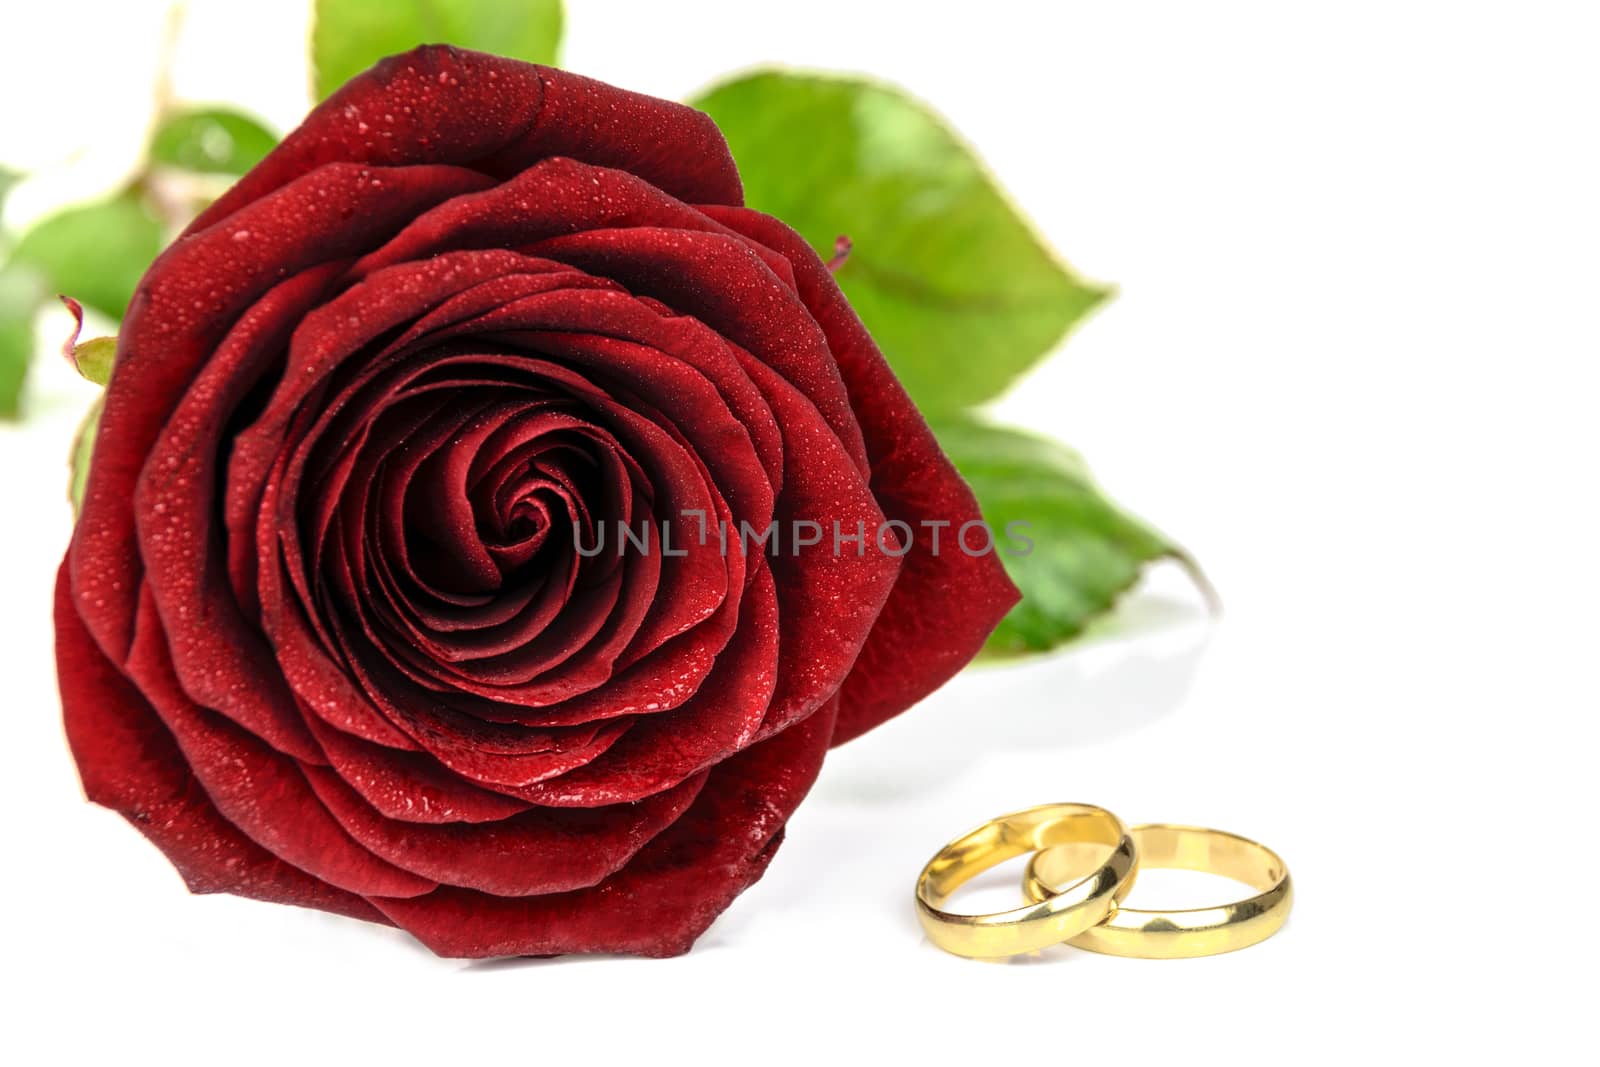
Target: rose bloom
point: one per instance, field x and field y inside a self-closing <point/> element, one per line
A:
<point x="324" y="634"/>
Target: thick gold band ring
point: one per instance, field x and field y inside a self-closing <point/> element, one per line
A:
<point x="1057" y="915"/>
<point x="1166" y="935"/>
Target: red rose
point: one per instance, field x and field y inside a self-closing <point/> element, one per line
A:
<point x="335" y="628"/>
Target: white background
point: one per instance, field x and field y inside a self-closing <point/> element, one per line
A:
<point x="1352" y="368"/>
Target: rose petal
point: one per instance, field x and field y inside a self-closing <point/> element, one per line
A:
<point x="555" y="196"/>
<point x="660" y="903"/>
<point x="219" y="655"/>
<point x="944" y="606"/>
<point x="256" y="788"/>
<point x="538" y="851"/>
<point x="724" y="283"/>
<point x="130" y="764"/>
<point x="613" y="338"/>
<point x="831" y="592"/>
<point x="438" y="104"/>
<point x="723" y="716"/>
<point x="411" y="786"/>
<point x="185" y="304"/>
<point x="691" y="585"/>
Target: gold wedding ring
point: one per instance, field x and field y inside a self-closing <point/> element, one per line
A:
<point x="1057" y="914"/>
<point x="1165" y="935"/>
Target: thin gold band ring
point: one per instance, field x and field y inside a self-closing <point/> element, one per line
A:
<point x="1180" y="934"/>
<point x="1055" y="916"/>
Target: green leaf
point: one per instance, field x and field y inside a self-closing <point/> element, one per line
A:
<point x="957" y="290"/>
<point x="1085" y="551"/>
<point x="96" y="253"/>
<point x="20" y="293"/>
<point x="94" y="357"/>
<point x="348" y="36"/>
<point x="214" y="141"/>
<point x="8" y="178"/>
<point x="82" y="452"/>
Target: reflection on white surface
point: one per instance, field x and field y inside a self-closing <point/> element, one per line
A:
<point x="1133" y="671"/>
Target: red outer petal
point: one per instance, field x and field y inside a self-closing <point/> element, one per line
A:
<point x="187" y="301"/>
<point x="218" y="653"/>
<point x="729" y="286"/>
<point x="438" y="104"/>
<point x="830" y="600"/>
<point x="256" y="788"/>
<point x="942" y="606"/>
<point x="662" y="901"/>
<point x="130" y="764"/>
<point x="540" y="851"/>
<point x="411" y="786"/>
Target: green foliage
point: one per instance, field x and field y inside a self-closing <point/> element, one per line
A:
<point x="20" y="290"/>
<point x="211" y="141"/>
<point x="1085" y="550"/>
<point x="348" y="36"/>
<point x="82" y="451"/>
<point x="957" y="290"/>
<point x="18" y="294"/>
<point x="94" y="357"/>
<point x="96" y="253"/>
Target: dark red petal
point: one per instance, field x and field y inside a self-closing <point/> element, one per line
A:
<point x="378" y="303"/>
<point x="438" y="104"/>
<point x="255" y="787"/>
<point x="673" y="147"/>
<point x="552" y="197"/>
<point x="675" y="887"/>
<point x="830" y="593"/>
<point x="539" y="851"/>
<point x="722" y="281"/>
<point x="623" y="345"/>
<point x="326" y="338"/>
<point x="411" y="786"/>
<point x="323" y="685"/>
<point x="220" y="656"/>
<point x="184" y="306"/>
<point x="478" y="750"/>
<point x="613" y="224"/>
<point x="723" y="716"/>
<point x="454" y="628"/>
<point x="661" y="680"/>
<point x="130" y="764"/>
<point x="693" y="585"/>
<point x="242" y="496"/>
<point x="944" y="606"/>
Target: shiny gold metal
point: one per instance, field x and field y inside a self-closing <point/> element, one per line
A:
<point x="1055" y="916"/>
<point x="1167" y="935"/>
